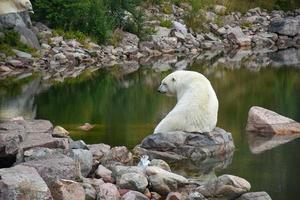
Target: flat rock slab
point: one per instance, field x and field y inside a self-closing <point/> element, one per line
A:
<point x="22" y="182"/>
<point x="175" y="146"/>
<point x="266" y="121"/>
<point x="22" y="135"/>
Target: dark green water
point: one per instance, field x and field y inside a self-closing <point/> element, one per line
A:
<point x="125" y="109"/>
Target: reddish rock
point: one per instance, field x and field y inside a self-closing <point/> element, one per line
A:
<point x="67" y="190"/>
<point x="267" y="121"/>
<point x="174" y="196"/>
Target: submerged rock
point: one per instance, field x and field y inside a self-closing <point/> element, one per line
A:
<point x="22" y="182"/>
<point x="174" y="146"/>
<point x="225" y="186"/>
<point x="255" y="196"/>
<point x="267" y="121"/>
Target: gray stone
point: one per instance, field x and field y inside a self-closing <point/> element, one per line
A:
<point x="196" y="196"/>
<point x="179" y="27"/>
<point x="182" y="145"/>
<point x="108" y="191"/>
<point x="161" y="164"/>
<point x="104" y="173"/>
<point x="118" y="155"/>
<point x="28" y="37"/>
<point x="85" y="159"/>
<point x="181" y="65"/>
<point x="67" y="190"/>
<point x="255" y="196"/>
<point x="267" y="121"/>
<point x="134" y="195"/>
<point x="163" y="181"/>
<point x="226" y="186"/>
<point x="287" y="26"/>
<point x="237" y="37"/>
<point x="99" y="150"/>
<point x="18" y="136"/>
<point x="22" y="182"/>
<point x="15" y="63"/>
<point x="287" y="57"/>
<point x="79" y="144"/>
<point x="53" y="167"/>
<point x="133" y="181"/>
<point x="120" y="170"/>
<point x="59" y="131"/>
<point x="22" y="54"/>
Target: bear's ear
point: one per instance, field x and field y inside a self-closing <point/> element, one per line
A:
<point x="173" y="79"/>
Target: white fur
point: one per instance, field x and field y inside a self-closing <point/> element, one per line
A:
<point x="13" y="6"/>
<point x="197" y="104"/>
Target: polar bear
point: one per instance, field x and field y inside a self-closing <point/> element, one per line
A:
<point x="13" y="6"/>
<point x="197" y="104"/>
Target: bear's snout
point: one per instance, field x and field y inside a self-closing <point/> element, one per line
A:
<point x="162" y="89"/>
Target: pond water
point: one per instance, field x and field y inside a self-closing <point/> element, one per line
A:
<point x="125" y="109"/>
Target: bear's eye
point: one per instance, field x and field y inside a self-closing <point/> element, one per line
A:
<point x="173" y="79"/>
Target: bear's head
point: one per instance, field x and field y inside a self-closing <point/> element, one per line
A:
<point x="24" y="5"/>
<point x="179" y="81"/>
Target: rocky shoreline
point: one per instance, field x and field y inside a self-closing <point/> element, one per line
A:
<point x="48" y="164"/>
<point x="255" y="32"/>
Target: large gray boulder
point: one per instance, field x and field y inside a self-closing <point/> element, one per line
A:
<point x="85" y="159"/>
<point x="22" y="182"/>
<point x="53" y="166"/>
<point x="225" y="186"/>
<point x="20" y="22"/>
<point x="175" y="146"/>
<point x="108" y="191"/>
<point x="22" y="135"/>
<point x="289" y="26"/>
<point x="266" y="121"/>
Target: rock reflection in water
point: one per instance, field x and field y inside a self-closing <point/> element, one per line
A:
<point x="21" y="104"/>
<point x="203" y="170"/>
<point x="258" y="143"/>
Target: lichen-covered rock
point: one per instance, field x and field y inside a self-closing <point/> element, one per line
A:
<point x="119" y="170"/>
<point x="266" y="121"/>
<point x="22" y="182"/>
<point x="163" y="181"/>
<point x="181" y="145"/>
<point x="226" y="186"/>
<point x="67" y="190"/>
<point x="108" y="191"/>
<point x="59" y="131"/>
<point x="133" y="181"/>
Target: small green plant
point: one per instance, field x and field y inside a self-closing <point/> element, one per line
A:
<point x="246" y="24"/>
<point x="116" y="37"/>
<point x="166" y="23"/>
<point x="11" y="40"/>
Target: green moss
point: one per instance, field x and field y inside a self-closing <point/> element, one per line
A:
<point x="246" y="24"/>
<point x="116" y="37"/>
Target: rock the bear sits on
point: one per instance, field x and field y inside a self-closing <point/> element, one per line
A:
<point x="197" y="104"/>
